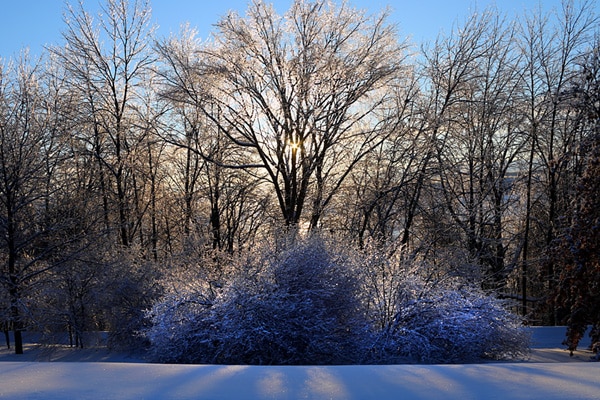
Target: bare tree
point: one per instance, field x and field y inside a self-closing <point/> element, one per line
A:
<point x="31" y="156"/>
<point x="227" y="198"/>
<point x="479" y="159"/>
<point x="21" y="173"/>
<point x="384" y="182"/>
<point x="299" y="94"/>
<point x="106" y="60"/>
<point x="551" y="48"/>
<point x="449" y="69"/>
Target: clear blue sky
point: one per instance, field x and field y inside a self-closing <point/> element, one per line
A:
<point x="34" y="23"/>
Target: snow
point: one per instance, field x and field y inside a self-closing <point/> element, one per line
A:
<point x="558" y="376"/>
<point x="62" y="380"/>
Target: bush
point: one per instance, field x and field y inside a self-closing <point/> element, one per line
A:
<point x="451" y="326"/>
<point x="429" y="314"/>
<point x="316" y="303"/>
<point x="299" y="307"/>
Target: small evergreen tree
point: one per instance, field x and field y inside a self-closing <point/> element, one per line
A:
<point x="580" y="281"/>
<point x="579" y="249"/>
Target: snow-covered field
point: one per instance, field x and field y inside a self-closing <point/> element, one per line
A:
<point x="548" y="374"/>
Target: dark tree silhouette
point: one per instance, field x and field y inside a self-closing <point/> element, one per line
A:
<point x="580" y="247"/>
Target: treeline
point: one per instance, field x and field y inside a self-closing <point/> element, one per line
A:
<point x="129" y="163"/>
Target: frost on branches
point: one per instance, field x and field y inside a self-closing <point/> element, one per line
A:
<point x="299" y="306"/>
<point x="317" y="302"/>
<point x="442" y="325"/>
<point x="428" y="314"/>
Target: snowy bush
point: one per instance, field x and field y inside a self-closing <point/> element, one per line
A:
<point x="451" y="326"/>
<point x="297" y="307"/>
<point x="316" y="302"/>
<point x="424" y="314"/>
<point x="179" y="327"/>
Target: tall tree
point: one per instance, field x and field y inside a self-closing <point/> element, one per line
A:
<point x="551" y="48"/>
<point x="208" y="190"/>
<point x="379" y="201"/>
<point x="31" y="156"/>
<point x="483" y="145"/>
<point x="299" y="94"/>
<point x="579" y="247"/>
<point x="106" y="60"/>
<point x="21" y="174"/>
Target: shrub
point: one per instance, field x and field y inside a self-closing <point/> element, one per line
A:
<point x="423" y="313"/>
<point x="316" y="302"/>
<point x="451" y="326"/>
<point x="298" y="307"/>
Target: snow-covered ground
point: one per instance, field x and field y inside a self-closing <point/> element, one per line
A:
<point x="548" y="374"/>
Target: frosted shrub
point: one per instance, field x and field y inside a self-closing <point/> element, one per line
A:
<point x="453" y="326"/>
<point x="425" y="315"/>
<point x="300" y="307"/>
<point x="180" y="327"/>
<point x="316" y="302"/>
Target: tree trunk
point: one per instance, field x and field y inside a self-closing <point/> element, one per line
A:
<point x="7" y="337"/>
<point x="14" y="294"/>
<point x="524" y="259"/>
<point x="16" y="318"/>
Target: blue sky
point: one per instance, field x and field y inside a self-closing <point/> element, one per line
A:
<point x="34" y="23"/>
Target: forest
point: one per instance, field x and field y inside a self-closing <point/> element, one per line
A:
<point x="308" y="184"/>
